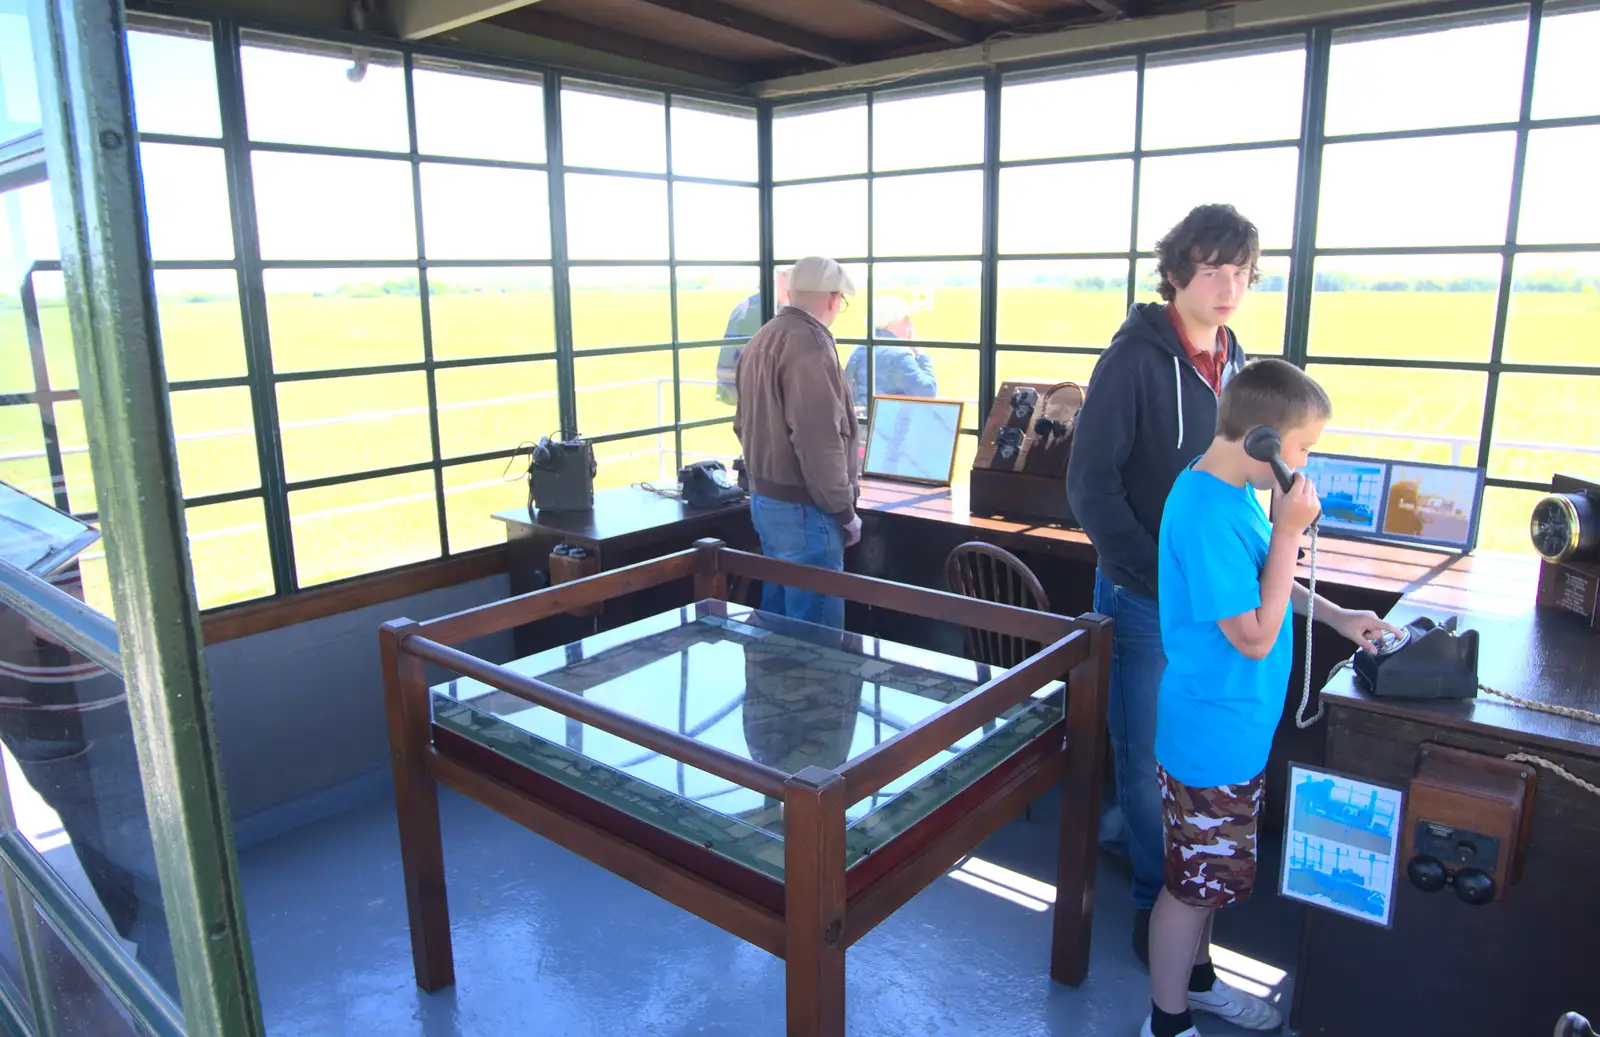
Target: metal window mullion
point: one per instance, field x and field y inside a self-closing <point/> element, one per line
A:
<point x="1302" y="263"/>
<point x="426" y="311"/>
<point x="672" y="292"/>
<point x="85" y="87"/>
<point x="769" y="280"/>
<point x="1513" y="214"/>
<point x="989" y="274"/>
<point x="560" y="272"/>
<point x="1138" y="169"/>
<point x="871" y="333"/>
<point x="45" y="398"/>
<point x="253" y="306"/>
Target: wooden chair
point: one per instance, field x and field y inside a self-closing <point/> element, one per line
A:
<point x="979" y="570"/>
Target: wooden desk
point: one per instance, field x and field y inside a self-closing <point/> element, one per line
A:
<point x="626" y="525"/>
<point x="1500" y="968"/>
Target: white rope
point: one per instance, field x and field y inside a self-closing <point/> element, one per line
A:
<point x="1543" y="707"/>
<point x="1541" y="761"/>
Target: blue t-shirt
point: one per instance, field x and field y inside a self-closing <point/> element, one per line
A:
<point x="1218" y="708"/>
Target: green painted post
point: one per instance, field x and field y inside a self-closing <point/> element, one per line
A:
<point x="91" y="152"/>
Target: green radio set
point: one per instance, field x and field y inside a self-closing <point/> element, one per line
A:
<point x="561" y="475"/>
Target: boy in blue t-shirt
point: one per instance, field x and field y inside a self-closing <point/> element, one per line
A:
<point x="1226" y="585"/>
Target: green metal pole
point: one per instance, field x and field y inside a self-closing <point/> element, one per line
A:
<point x="91" y="152"/>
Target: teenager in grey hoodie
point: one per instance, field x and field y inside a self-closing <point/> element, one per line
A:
<point x="1151" y="408"/>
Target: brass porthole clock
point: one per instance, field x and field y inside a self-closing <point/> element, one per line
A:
<point x="1565" y="528"/>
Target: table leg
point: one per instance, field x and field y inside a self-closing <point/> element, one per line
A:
<point x="814" y="902"/>
<point x="417" y="806"/>
<point x="1080" y="807"/>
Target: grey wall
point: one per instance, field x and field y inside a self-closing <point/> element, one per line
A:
<point x="300" y="710"/>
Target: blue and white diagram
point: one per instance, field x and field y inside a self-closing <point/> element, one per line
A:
<point x="1340" y="844"/>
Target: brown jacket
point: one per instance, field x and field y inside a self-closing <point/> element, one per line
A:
<point x="794" y="418"/>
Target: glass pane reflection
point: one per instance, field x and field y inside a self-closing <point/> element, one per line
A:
<point x="74" y="782"/>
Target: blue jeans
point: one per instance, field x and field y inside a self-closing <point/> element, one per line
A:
<point x="1137" y="662"/>
<point x="807" y="535"/>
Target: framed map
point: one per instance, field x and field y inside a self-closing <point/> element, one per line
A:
<point x="913" y="438"/>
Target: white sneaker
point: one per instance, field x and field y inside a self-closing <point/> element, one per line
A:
<point x="1144" y="1031"/>
<point x="1240" y="1009"/>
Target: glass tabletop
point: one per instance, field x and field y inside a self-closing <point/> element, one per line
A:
<point x="778" y="691"/>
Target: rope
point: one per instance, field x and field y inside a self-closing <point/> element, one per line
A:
<point x="1541" y="761"/>
<point x="1543" y="707"/>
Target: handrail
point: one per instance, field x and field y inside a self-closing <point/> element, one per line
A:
<point x="91" y="944"/>
<point x="73" y="622"/>
<point x="749" y="774"/>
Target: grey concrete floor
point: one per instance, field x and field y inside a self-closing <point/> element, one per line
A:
<point x="549" y="944"/>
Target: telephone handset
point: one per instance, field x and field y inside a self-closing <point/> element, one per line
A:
<point x="1264" y="444"/>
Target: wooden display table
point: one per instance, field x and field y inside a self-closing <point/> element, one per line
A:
<point x="789" y="783"/>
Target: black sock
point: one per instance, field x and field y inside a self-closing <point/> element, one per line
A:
<point x="1202" y="978"/>
<point x="1163" y="1024"/>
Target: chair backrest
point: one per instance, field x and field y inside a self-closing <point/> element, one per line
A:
<point x="979" y="570"/>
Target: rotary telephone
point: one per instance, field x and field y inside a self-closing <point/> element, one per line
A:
<point x="705" y="484"/>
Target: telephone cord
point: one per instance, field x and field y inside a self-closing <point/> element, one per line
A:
<point x="1300" y="720"/>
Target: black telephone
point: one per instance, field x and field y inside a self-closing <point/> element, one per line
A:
<point x="706" y="484"/>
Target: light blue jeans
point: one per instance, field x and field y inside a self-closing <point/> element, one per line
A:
<point x="1137" y="662"/>
<point x="807" y="535"/>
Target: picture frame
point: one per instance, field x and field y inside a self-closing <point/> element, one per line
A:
<point x="1341" y="844"/>
<point x="913" y="438"/>
<point x="1377" y="499"/>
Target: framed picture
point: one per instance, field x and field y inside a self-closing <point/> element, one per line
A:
<point x="913" y="438"/>
<point x="1340" y="841"/>
<point x="1414" y="502"/>
<point x="36" y="537"/>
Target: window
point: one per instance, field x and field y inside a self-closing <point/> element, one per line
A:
<point x="298" y="91"/>
<point x="1088" y="112"/>
<point x="1182" y="111"/>
<point x="611" y="128"/>
<point x="1383" y="79"/>
<point x="467" y="111"/>
<point x="174" y="70"/>
<point x="817" y="140"/>
<point x="922" y="129"/>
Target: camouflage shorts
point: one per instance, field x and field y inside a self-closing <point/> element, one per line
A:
<point x="1211" y="840"/>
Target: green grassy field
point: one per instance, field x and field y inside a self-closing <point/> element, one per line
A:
<point x="337" y="426"/>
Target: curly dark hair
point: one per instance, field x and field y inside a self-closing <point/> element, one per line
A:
<point x="1209" y="234"/>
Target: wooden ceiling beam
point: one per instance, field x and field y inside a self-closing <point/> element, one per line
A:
<point x="929" y="18"/>
<point x="768" y="30"/>
<point x="535" y="22"/>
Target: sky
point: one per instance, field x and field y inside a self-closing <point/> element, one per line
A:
<point x="1451" y="190"/>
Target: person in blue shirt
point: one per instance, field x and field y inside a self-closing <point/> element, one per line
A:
<point x="898" y="370"/>
<point x="1226" y="585"/>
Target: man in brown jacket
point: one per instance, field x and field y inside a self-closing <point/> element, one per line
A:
<point x="800" y="438"/>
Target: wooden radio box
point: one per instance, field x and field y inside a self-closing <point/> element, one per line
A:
<point x="1471" y="813"/>
<point x="1565" y="526"/>
<point x="1020" y="470"/>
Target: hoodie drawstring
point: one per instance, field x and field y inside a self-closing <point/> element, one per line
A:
<point x="1177" y="385"/>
